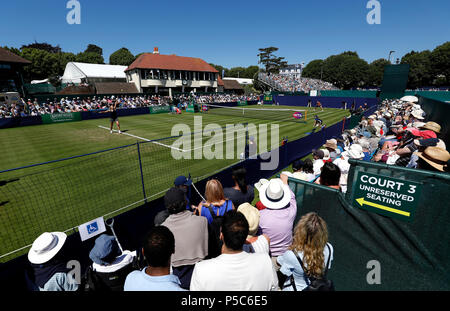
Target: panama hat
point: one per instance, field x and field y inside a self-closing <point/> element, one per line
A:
<point x="355" y="151"/>
<point x="432" y="126"/>
<point x="261" y="182"/>
<point x="252" y="215"/>
<point x="435" y="156"/>
<point x="331" y="143"/>
<point x="275" y="194"/>
<point x="417" y="114"/>
<point x="46" y="246"/>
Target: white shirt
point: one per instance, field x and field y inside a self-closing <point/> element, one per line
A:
<point x="317" y="165"/>
<point x="235" y="272"/>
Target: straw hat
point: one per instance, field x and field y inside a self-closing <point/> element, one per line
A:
<point x="331" y="143"/>
<point x="355" y="151"/>
<point x="275" y="194"/>
<point x="46" y="246"/>
<point x="432" y="126"/>
<point x="435" y="156"/>
<point x="252" y="215"/>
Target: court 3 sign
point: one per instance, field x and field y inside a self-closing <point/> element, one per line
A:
<point x="384" y="195"/>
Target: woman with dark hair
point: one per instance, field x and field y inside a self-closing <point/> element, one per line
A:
<point x="240" y="193"/>
<point x="330" y="176"/>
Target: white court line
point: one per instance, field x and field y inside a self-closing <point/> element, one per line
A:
<point x="145" y="139"/>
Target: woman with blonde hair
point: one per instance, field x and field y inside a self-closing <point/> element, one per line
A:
<point x="310" y="249"/>
<point x="216" y="204"/>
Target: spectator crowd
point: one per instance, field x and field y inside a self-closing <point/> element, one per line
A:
<point x="290" y="83"/>
<point x="229" y="243"/>
<point x="66" y="105"/>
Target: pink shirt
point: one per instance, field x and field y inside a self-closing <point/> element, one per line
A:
<point x="277" y="224"/>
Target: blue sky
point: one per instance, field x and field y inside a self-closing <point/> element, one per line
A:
<point x="230" y="32"/>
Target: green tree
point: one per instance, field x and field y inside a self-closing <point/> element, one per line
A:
<point x="43" y="64"/>
<point x="420" y="70"/>
<point x="92" y="48"/>
<point x="236" y="72"/>
<point x="250" y="72"/>
<point x="271" y="62"/>
<point x="220" y="68"/>
<point x="376" y="72"/>
<point x="345" y="70"/>
<point x="90" y="57"/>
<point x="440" y="63"/>
<point x="43" y="46"/>
<point x="313" y="69"/>
<point x="121" y="57"/>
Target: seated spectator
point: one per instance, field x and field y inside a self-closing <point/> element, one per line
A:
<point x="216" y="203"/>
<point x="311" y="245"/>
<point x="159" y="245"/>
<point x="318" y="161"/>
<point x="183" y="183"/>
<point x="110" y="266"/>
<point x="330" y="176"/>
<point x="433" y="159"/>
<point x="49" y="270"/>
<point x="234" y="270"/>
<point x="422" y="144"/>
<point x="241" y="192"/>
<point x="255" y="243"/>
<point x="191" y="236"/>
<point x="332" y="147"/>
<point x="277" y="219"/>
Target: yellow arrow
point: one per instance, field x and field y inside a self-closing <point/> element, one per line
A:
<point x="361" y="202"/>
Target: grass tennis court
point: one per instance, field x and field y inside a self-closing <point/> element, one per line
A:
<point x="62" y="195"/>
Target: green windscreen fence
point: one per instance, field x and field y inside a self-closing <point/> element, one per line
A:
<point x="379" y="252"/>
<point x="439" y="112"/>
<point x="395" y="79"/>
<point x="348" y="93"/>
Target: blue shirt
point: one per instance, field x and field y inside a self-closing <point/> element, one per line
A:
<point x="141" y="281"/>
<point x="225" y="207"/>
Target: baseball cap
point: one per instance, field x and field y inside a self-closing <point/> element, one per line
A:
<point x="182" y="180"/>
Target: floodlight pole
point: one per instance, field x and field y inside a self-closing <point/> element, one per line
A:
<point x="390" y="53"/>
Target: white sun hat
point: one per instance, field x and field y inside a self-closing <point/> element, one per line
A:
<point x="275" y="194"/>
<point x="355" y="152"/>
<point x="326" y="154"/>
<point x="46" y="246"/>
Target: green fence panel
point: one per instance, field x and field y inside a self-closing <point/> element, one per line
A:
<point x="438" y="112"/>
<point x="436" y="95"/>
<point x="242" y="103"/>
<point x="411" y="255"/>
<point x="61" y="117"/>
<point x="193" y="108"/>
<point x="159" y="109"/>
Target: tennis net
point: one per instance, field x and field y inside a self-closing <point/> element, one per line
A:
<point x="277" y="114"/>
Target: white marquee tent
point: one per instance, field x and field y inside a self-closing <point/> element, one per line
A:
<point x="76" y="72"/>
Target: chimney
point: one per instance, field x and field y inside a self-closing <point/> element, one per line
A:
<point x="155" y="50"/>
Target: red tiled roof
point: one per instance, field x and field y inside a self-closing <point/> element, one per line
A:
<point x="9" y="57"/>
<point x="170" y="62"/>
<point x="220" y="81"/>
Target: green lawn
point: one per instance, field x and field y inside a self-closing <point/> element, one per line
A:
<point x="62" y="195"/>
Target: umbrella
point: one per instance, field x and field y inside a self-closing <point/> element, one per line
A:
<point x="412" y="99"/>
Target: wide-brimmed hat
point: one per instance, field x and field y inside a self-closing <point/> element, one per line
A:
<point x="435" y="156"/>
<point x="432" y="126"/>
<point x="417" y="114"/>
<point x="261" y="182"/>
<point x="46" y="246"/>
<point x="331" y="143"/>
<point x="105" y="247"/>
<point x="355" y="151"/>
<point x="252" y="215"/>
<point x="275" y="194"/>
